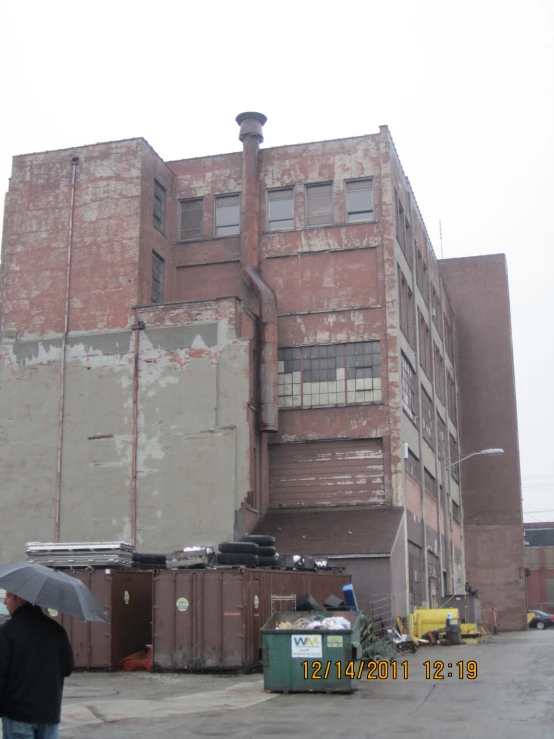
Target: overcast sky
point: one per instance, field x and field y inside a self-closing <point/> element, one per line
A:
<point x="467" y="89"/>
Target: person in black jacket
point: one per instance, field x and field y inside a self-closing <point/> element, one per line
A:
<point x="35" y="657"/>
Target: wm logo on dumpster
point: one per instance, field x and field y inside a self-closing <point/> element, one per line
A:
<point x="307" y="641"/>
<point x="309" y="645"/>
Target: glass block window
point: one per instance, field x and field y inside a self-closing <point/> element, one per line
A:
<point x="409" y="390"/>
<point x="312" y="376"/>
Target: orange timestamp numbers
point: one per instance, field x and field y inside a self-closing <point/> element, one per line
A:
<point x="382" y="670"/>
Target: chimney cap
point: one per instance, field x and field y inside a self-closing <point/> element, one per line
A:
<point x="251" y="125"/>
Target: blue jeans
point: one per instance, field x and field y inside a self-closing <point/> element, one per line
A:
<point x="20" y="730"/>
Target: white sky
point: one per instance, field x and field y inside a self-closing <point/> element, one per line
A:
<point x="467" y="89"/>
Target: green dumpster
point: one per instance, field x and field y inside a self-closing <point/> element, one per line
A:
<point x="310" y="652"/>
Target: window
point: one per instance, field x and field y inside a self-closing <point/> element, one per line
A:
<point x="416" y="574"/>
<point x="412" y="465"/>
<point x="312" y="376"/>
<point x="439" y="375"/>
<point x="427" y="418"/>
<point x="531" y="558"/>
<point x="456" y="515"/>
<point x="430" y="483"/>
<point x="408" y="390"/>
<point x="425" y="347"/>
<point x="159" y="207"/>
<point x="454" y="471"/>
<point x="452" y="412"/>
<point x="400" y="222"/>
<point x="359" y="200"/>
<point x="441" y="436"/>
<point x="227" y="215"/>
<point x="448" y="339"/>
<point x="406" y="308"/>
<point x="190" y="224"/>
<point x="436" y="310"/>
<point x="157" y="278"/>
<point x="281" y="209"/>
<point x="319" y="205"/>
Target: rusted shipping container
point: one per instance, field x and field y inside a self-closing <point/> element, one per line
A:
<point x="212" y="619"/>
<point x="126" y="597"/>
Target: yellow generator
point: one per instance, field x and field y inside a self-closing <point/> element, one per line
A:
<point x="423" y="620"/>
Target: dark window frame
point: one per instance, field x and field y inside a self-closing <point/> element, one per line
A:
<point x="409" y="389"/>
<point x="430" y="483"/>
<point x="411" y="465"/>
<point x="157" y="285"/>
<point x="158" y="218"/>
<point x="427" y="415"/>
<point x="454" y="466"/>
<point x="199" y="230"/>
<point x="357" y="363"/>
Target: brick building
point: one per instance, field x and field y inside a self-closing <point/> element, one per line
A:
<point x="261" y="340"/>
<point x="539" y="564"/>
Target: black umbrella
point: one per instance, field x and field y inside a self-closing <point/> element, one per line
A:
<point x="49" y="588"/>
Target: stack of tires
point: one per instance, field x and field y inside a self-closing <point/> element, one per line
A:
<point x="144" y="561"/>
<point x="255" y="550"/>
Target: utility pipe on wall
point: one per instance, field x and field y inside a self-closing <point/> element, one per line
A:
<point x="251" y="137"/>
<point x="74" y="163"/>
<point x="137" y="328"/>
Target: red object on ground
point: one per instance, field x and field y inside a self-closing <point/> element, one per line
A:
<point x="138" y="661"/>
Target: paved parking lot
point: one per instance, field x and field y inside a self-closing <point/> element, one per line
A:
<point x="512" y="696"/>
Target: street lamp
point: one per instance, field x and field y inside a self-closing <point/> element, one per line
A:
<point x="489" y="452"/>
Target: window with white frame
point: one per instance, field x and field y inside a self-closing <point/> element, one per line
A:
<point x="280" y="209"/>
<point x="227" y="215"/>
<point x="359" y="200"/>
<point x="336" y="374"/>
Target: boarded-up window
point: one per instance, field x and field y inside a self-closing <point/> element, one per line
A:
<point x="337" y="374"/>
<point x="430" y="483"/>
<point x="359" y="200"/>
<point x="190" y="219"/>
<point x="531" y="557"/>
<point x="281" y="209"/>
<point x="427" y="418"/>
<point x="319" y="210"/>
<point x="159" y="206"/>
<point x="409" y="398"/>
<point x="324" y="473"/>
<point x="157" y="278"/>
<point x="227" y="215"/>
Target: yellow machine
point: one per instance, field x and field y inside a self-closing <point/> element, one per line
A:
<point x="423" y="620"/>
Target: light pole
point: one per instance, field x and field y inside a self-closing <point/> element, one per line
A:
<point x="492" y="452"/>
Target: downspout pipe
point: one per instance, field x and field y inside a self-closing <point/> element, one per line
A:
<point x="137" y="328"/>
<point x="74" y="163"/>
<point x="251" y="136"/>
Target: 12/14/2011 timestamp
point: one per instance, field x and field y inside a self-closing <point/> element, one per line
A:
<point x="372" y="670"/>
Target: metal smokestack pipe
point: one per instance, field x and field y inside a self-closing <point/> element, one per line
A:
<point x="251" y="137"/>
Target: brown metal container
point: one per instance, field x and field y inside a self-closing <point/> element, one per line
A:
<point x="126" y="596"/>
<point x="212" y="619"/>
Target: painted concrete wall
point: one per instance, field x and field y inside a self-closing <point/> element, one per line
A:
<point x="193" y="434"/>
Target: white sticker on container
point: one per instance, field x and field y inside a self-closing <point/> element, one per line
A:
<point x="52" y="612"/>
<point x="256" y="602"/>
<point x="182" y="604"/>
<point x="126" y="597"/>
<point x="306" y="646"/>
<point x="335" y="641"/>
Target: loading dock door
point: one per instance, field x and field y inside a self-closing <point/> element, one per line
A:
<point x="326" y="473"/>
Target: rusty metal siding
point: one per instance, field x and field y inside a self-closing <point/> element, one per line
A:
<point x="100" y="645"/>
<point x="211" y="619"/>
<point x="327" y="473"/>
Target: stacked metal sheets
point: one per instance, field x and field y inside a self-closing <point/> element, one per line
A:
<point x="86" y="554"/>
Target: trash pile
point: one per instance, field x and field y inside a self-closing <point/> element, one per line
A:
<point x="310" y="623"/>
